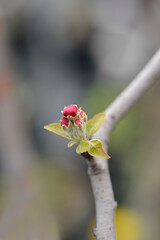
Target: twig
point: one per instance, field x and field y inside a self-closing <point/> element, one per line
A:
<point x="98" y="168"/>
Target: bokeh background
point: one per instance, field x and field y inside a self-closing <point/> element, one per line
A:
<point x="59" y="52"/>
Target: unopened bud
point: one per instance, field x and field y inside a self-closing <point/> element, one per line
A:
<point x="78" y="121"/>
<point x="64" y="122"/>
<point x="83" y="116"/>
<point x="70" y="110"/>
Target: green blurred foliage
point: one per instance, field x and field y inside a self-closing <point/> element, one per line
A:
<point x="63" y="192"/>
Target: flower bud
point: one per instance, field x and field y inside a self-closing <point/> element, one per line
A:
<point x="64" y="122"/>
<point x="78" y="121"/>
<point x="83" y="116"/>
<point x="70" y="110"/>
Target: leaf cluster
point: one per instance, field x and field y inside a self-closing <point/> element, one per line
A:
<point x="94" y="146"/>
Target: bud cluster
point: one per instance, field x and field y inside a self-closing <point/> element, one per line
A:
<point x="75" y="126"/>
<point x="74" y="122"/>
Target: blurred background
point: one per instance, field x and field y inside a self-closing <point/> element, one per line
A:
<point x="59" y="52"/>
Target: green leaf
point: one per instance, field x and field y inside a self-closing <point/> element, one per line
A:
<point x="83" y="146"/>
<point x="95" y="123"/>
<point x="71" y="143"/>
<point x="56" y="128"/>
<point x="96" y="149"/>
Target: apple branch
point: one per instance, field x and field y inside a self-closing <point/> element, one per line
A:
<point x="98" y="168"/>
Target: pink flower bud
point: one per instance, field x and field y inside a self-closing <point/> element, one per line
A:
<point x="64" y="122"/>
<point x="78" y="121"/>
<point x="81" y="114"/>
<point x="70" y="110"/>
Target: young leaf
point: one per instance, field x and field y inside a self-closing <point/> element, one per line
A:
<point x="56" y="128"/>
<point x="71" y="143"/>
<point x="96" y="149"/>
<point x="83" y="146"/>
<point x="95" y="123"/>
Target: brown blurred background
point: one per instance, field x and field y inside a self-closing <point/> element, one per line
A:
<point x="59" y="52"/>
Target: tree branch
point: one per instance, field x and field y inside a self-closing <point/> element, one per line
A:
<point x="98" y="168"/>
